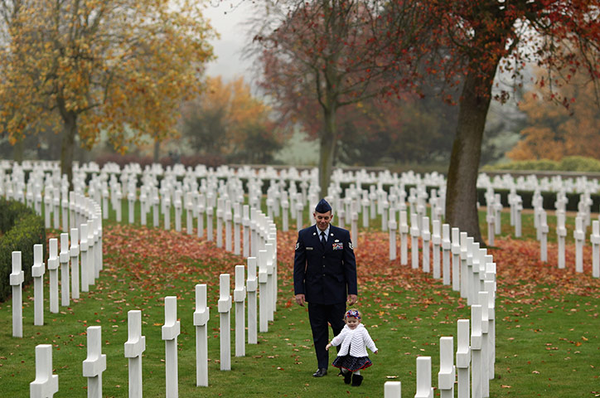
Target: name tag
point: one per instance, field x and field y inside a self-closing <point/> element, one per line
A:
<point x="309" y="248"/>
<point x="338" y="246"/>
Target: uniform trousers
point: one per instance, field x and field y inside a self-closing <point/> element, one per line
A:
<point x="320" y="315"/>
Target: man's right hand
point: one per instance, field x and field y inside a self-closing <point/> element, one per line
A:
<point x="300" y="299"/>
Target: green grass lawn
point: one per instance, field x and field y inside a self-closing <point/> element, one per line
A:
<point x="547" y="322"/>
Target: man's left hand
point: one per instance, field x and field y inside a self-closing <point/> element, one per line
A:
<point x="352" y="299"/>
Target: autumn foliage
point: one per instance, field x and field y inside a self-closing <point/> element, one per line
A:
<point x="86" y="68"/>
<point x="557" y="131"/>
<point x="228" y="120"/>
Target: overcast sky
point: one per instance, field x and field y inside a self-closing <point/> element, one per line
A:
<point x="226" y="17"/>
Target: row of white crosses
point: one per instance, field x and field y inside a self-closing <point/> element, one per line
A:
<point x="540" y="220"/>
<point x="86" y="242"/>
<point x="46" y="383"/>
<point x="544" y="184"/>
<point x="582" y="221"/>
<point x="258" y="231"/>
<point x="264" y="242"/>
<point x="433" y="242"/>
<point x="475" y="352"/>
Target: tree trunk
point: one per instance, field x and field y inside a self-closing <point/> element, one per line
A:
<point x="19" y="149"/>
<point x="327" y="149"/>
<point x="156" y="150"/>
<point x="68" y="145"/>
<point x="461" y="193"/>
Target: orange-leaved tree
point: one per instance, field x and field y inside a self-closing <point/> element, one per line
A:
<point x="554" y="131"/>
<point x="228" y="121"/>
<point x="91" y="67"/>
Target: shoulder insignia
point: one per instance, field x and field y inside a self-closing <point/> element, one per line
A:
<point x="350" y="246"/>
<point x="297" y="245"/>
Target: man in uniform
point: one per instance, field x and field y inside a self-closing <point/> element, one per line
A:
<point x="325" y="278"/>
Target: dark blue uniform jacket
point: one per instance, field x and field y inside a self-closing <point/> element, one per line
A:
<point x="324" y="276"/>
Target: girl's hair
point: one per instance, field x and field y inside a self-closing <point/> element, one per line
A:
<point x="352" y="314"/>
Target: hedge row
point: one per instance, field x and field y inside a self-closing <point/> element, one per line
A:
<point x="20" y="229"/>
<point x="568" y="163"/>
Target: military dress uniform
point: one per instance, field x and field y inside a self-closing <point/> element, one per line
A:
<point x="326" y="275"/>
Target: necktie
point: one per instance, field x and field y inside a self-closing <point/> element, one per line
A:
<point x="323" y="239"/>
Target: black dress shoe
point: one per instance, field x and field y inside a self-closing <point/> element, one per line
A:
<point x="357" y="380"/>
<point x="320" y="372"/>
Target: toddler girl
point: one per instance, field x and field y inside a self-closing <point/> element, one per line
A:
<point x="352" y="356"/>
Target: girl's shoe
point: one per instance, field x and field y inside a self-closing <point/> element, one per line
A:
<point x="357" y="380"/>
<point x="347" y="377"/>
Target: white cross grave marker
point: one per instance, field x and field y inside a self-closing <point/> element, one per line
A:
<point x="131" y="203"/>
<point x="424" y="389"/>
<point x="45" y="384"/>
<point x="446" y="374"/>
<point x="392" y="389"/>
<point x="170" y="331"/>
<point x="544" y="236"/>
<point x="237" y="220"/>
<point x="403" y="238"/>
<point x="37" y="271"/>
<point x="17" y="277"/>
<point x="53" y="274"/>
<point x="436" y="239"/>
<point x="414" y="233"/>
<point x="64" y="269"/>
<point x="220" y="211"/>
<point x="393" y="225"/>
<point x="74" y="254"/>
<point x="95" y="363"/>
<point x="463" y="358"/>
<point x="263" y="278"/>
<point x="251" y="284"/>
<point x="476" y="345"/>
<point x="595" y="239"/>
<point x="228" y="219"/>
<point x="225" y="321"/>
<point x="83" y="248"/>
<point x="464" y="277"/>
<point x="189" y="209"/>
<point x="200" y="210"/>
<point x="426" y="236"/>
<point x="134" y="347"/>
<point x="485" y="380"/>
<point x="561" y="233"/>
<point x="239" y="296"/>
<point x="579" y="235"/>
<point x="201" y="318"/>
<point x="446" y="248"/>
